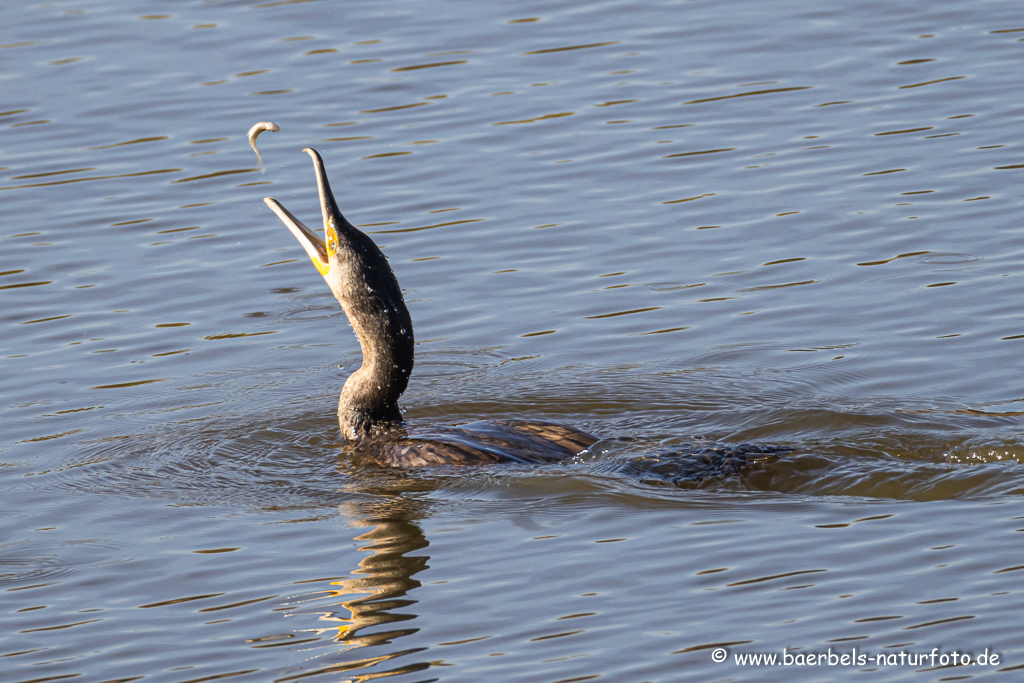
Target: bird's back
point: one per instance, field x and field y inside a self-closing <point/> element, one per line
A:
<point x="488" y="441"/>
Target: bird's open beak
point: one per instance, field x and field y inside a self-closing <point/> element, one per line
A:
<point x="319" y="250"/>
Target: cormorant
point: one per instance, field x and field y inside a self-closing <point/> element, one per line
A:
<point x="361" y="279"/>
<point x="359" y="276"/>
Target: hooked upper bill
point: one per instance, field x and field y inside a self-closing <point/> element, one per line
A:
<point x="319" y="250"/>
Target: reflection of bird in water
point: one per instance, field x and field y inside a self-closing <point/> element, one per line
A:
<point x="361" y="279"/>
<point x="362" y="619"/>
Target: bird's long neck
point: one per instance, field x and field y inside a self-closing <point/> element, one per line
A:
<point x="369" y="399"/>
<point x="372" y="300"/>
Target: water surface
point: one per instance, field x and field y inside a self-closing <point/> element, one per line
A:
<point x="664" y="223"/>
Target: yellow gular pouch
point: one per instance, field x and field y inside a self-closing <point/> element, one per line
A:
<point x="322" y="267"/>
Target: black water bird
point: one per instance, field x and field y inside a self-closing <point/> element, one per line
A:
<point x="368" y="414"/>
<point x="362" y="281"/>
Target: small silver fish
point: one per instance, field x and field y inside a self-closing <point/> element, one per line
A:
<point x="254" y="133"/>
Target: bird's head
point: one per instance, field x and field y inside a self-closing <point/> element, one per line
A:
<point x="354" y="268"/>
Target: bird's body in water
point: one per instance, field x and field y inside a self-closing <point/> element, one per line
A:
<point x="368" y="414"/>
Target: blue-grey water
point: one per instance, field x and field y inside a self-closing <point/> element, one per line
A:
<point x="774" y="221"/>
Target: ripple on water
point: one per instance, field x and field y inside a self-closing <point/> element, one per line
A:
<point x="874" y="450"/>
<point x="24" y="562"/>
